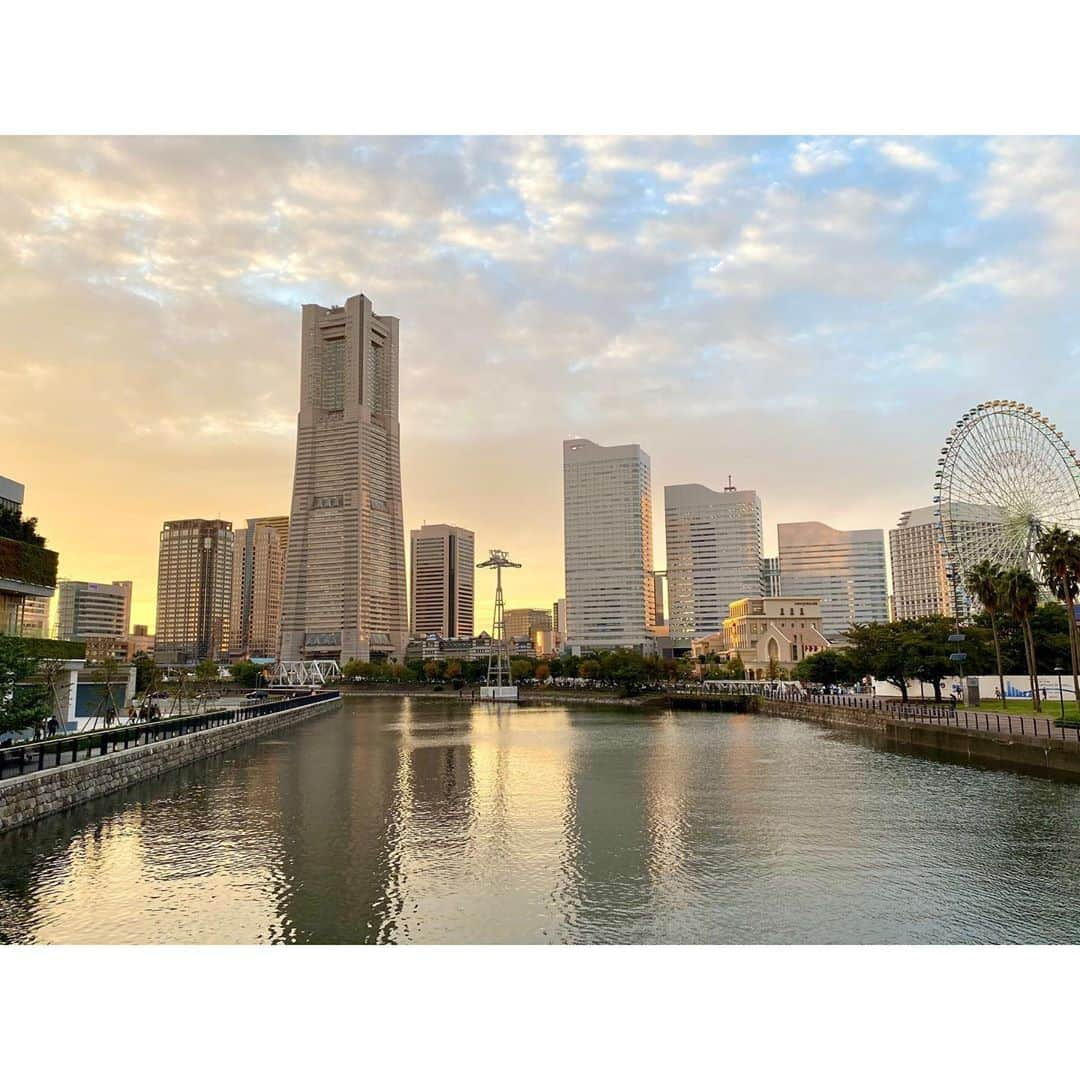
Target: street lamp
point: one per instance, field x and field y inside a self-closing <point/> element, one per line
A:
<point x="1061" y="693"/>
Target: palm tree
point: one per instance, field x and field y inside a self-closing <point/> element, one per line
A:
<point x="1020" y="596"/>
<point x="983" y="581"/>
<point x="1059" y="558"/>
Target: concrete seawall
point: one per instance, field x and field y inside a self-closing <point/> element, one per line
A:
<point x="24" y="799"/>
<point x="983" y="747"/>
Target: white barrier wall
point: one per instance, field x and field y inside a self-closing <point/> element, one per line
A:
<point x="1017" y="687"/>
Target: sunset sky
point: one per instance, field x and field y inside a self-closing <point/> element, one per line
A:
<point x="808" y="315"/>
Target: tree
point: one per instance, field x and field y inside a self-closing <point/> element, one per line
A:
<point x="245" y="673"/>
<point x="930" y="649"/>
<point x="542" y="673"/>
<point x="520" y="669"/>
<point x="1020" y="594"/>
<point x="453" y="669"/>
<point x="983" y="582"/>
<point x="829" y="667"/>
<point x="589" y="669"/>
<point x="1059" y="559"/>
<point x="884" y="650"/>
<point x="145" y="672"/>
<point x="22" y="706"/>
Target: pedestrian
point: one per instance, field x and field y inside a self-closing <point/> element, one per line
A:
<point x="52" y="726"/>
<point x="131" y="712"/>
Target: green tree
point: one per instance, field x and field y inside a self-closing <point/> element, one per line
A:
<point x="1058" y="552"/>
<point x="589" y="669"/>
<point x="884" y="650"/>
<point x="23" y="704"/>
<point x="983" y="582"/>
<point x="145" y="672"/>
<point x="1020" y="594"/>
<point x="245" y="673"/>
<point x="829" y="667"/>
<point x="453" y="669"/>
<point x="928" y="639"/>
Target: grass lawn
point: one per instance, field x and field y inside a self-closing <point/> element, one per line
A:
<point x="1019" y="706"/>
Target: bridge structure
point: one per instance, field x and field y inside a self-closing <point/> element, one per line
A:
<point x="300" y="674"/>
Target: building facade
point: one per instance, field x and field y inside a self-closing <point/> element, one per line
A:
<point x="770" y="575"/>
<point x="442" y="581"/>
<point x="607" y="522"/>
<point x="257" y="590"/>
<point x="345" y="568"/>
<point x="194" y="591"/>
<point x="769" y="634"/>
<point x="527" y="622"/>
<point x="27" y="567"/>
<point x="92" y="609"/>
<point x="845" y="569"/>
<point x="713" y="554"/>
<point x="920" y="579"/>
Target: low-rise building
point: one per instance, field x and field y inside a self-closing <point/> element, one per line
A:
<point x="768" y="632"/>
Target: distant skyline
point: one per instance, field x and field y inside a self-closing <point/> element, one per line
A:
<point x="808" y="315"/>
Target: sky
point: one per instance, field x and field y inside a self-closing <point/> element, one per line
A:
<point x="809" y="315"/>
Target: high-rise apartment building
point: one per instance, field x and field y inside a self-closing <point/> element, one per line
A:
<point x="92" y="609"/>
<point x="846" y="569"/>
<point x="607" y="522"/>
<point x="527" y="622"/>
<point x="713" y="554"/>
<point x="345" y="569"/>
<point x="257" y="589"/>
<point x="920" y="579"/>
<point x="194" y="591"/>
<point x="442" y="581"/>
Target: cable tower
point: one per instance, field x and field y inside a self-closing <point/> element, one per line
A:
<point x="499" y="660"/>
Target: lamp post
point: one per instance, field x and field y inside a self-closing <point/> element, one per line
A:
<point x="1061" y="694"/>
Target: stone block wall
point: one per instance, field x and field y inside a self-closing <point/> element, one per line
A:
<point x="26" y="798"/>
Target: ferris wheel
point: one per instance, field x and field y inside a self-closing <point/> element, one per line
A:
<point x="1006" y="474"/>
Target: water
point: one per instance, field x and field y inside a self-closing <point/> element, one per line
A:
<point x="423" y="821"/>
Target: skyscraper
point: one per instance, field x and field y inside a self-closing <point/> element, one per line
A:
<point x="607" y="522"/>
<point x="527" y="622"/>
<point x="713" y="554"/>
<point x="92" y="609"/>
<point x="770" y="575"/>
<point x="920" y="581"/>
<point x="345" y="569"/>
<point x="194" y="590"/>
<point x="257" y="589"/>
<point x="845" y="569"/>
<point x="442" y="582"/>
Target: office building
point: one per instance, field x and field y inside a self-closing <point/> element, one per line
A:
<point x="140" y="640"/>
<point x="194" y="591"/>
<point x="35" y="618"/>
<point x="92" y="609"/>
<point x="558" y="618"/>
<point x="713" y="554"/>
<point x="527" y="622"/>
<point x="659" y="607"/>
<point x="442" y="581"/>
<point x="770" y="576"/>
<point x="920" y="581"/>
<point x="607" y="521"/>
<point x="345" y="568"/>
<point x="257" y="589"/>
<point x="845" y="569"/>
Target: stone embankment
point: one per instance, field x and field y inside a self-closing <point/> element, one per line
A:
<point x="991" y="748"/>
<point x="26" y="798"/>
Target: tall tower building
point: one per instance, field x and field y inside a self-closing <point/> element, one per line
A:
<point x="257" y="589"/>
<point x="345" y="568"/>
<point x="770" y="575"/>
<point x="845" y="569"/>
<point x="194" y="591"/>
<point x="92" y="609"/>
<point x="442" y="582"/>
<point x="527" y="622"/>
<point x="713" y="554"/>
<point x="920" y="580"/>
<point x="607" y="522"/>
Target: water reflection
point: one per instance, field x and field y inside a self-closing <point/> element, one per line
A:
<point x="426" y="821"/>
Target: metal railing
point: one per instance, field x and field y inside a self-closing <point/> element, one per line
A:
<point x="45" y="754"/>
<point x="1048" y="726"/>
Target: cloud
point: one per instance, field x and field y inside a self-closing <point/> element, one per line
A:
<point x="689" y="294"/>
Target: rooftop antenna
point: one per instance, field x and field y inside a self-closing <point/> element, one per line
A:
<point x="499" y="658"/>
<point x="730" y="485"/>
